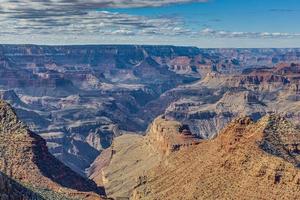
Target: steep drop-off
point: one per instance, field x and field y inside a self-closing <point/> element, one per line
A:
<point x="24" y="157"/>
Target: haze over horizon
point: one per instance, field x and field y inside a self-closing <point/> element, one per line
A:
<point x="201" y="23"/>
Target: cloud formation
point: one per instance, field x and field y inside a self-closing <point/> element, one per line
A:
<point x="85" y="17"/>
<point x="89" y="18"/>
<point x="229" y="34"/>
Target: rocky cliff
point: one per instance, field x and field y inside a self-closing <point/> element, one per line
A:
<point x="51" y="86"/>
<point x="248" y="160"/>
<point x="25" y="157"/>
<point x="168" y="136"/>
<point x="208" y="105"/>
<point x="120" y="167"/>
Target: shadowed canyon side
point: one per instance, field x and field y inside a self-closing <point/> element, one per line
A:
<point x="10" y="189"/>
<point x="248" y="160"/>
<point x="25" y="158"/>
<point x="111" y="83"/>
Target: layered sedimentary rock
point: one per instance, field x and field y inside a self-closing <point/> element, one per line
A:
<point x="80" y="97"/>
<point x="248" y="160"/>
<point x="119" y="170"/>
<point x="168" y="136"/>
<point x="122" y="166"/>
<point x="24" y="157"/>
<point x="208" y="105"/>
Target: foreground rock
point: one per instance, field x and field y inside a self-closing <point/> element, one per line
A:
<point x="247" y="160"/>
<point x="24" y="157"/>
<point x="11" y="190"/>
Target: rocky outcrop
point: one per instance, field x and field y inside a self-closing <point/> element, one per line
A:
<point x="168" y="136"/>
<point x="25" y="157"/>
<point x="234" y="165"/>
<point x="121" y="166"/>
<point x="281" y="138"/>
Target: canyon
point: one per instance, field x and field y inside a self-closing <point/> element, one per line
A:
<point x="121" y="114"/>
<point x="78" y="98"/>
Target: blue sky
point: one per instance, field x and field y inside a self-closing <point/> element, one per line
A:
<point x="202" y="23"/>
<point x="234" y="15"/>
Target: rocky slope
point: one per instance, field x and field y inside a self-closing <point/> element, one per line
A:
<point x="24" y="157"/>
<point x="130" y="156"/>
<point x="11" y="190"/>
<point x="248" y="160"/>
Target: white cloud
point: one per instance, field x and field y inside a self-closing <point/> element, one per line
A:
<point x="229" y="34"/>
<point x="81" y="17"/>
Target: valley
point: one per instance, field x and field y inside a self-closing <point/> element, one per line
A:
<point x="124" y="115"/>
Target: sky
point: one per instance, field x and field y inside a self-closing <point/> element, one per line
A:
<point x="201" y="23"/>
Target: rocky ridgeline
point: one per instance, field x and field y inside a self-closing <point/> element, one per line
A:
<point x="283" y="75"/>
<point x="24" y="157"/>
<point x="247" y="160"/>
<point x="282" y="139"/>
<point x="168" y="135"/>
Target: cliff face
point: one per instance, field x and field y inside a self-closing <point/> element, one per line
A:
<point x="208" y="105"/>
<point x="168" y="136"/>
<point x="123" y="165"/>
<point x="25" y="157"/>
<point x="283" y="75"/>
<point x="234" y="165"/>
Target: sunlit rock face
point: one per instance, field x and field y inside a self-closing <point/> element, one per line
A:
<point x="246" y="155"/>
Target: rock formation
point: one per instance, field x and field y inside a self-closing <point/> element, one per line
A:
<point x="120" y="167"/>
<point x="208" y="105"/>
<point x="168" y="135"/>
<point x="248" y="160"/>
<point x="24" y="157"/>
<point x="79" y="98"/>
<point x="129" y="157"/>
